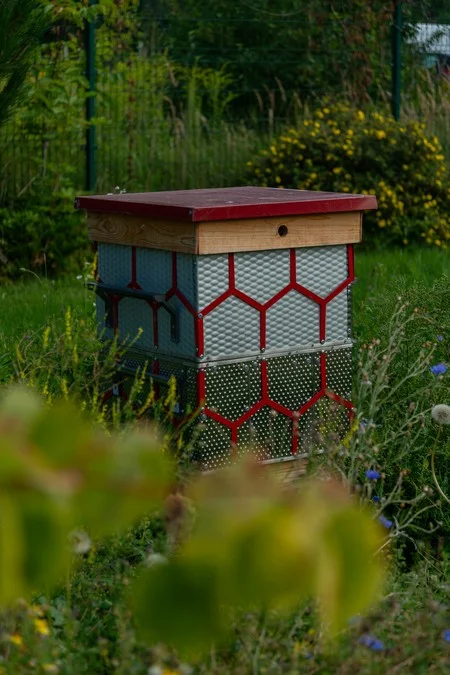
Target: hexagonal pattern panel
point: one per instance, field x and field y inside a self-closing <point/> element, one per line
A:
<point x="233" y="389"/>
<point x="114" y="264"/>
<point x="337" y="328"/>
<point x="212" y="278"/>
<point x="293" y="380"/>
<point x="292" y="322"/>
<point x="231" y="329"/>
<point x="322" y="268"/>
<point x="267" y="434"/>
<point x="254" y="398"/>
<point x="135" y="315"/>
<point x="153" y="270"/>
<point x="262" y="274"/>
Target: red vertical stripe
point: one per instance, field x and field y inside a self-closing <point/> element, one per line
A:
<point x="155" y="323"/>
<point x="199" y="336"/>
<point x="322" y="321"/>
<point x="231" y="272"/>
<point x="295" y="435"/>
<point x="323" y="371"/>
<point x="262" y="328"/>
<point x="133" y="283"/>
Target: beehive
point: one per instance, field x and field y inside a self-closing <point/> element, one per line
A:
<point x="244" y="295"/>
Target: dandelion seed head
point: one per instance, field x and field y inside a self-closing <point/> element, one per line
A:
<point x="441" y="413"/>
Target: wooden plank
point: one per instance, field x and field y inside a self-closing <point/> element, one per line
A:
<point x="288" y="473"/>
<point x="261" y="234"/>
<point x="252" y="234"/>
<point x="142" y="232"/>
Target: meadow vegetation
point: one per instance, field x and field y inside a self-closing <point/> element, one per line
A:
<point x="402" y="314"/>
<point x="142" y="582"/>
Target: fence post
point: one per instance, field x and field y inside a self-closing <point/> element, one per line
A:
<point x="397" y="28"/>
<point x="89" y="42"/>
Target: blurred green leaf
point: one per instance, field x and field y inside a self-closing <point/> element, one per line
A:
<point x="179" y="603"/>
<point x="11" y="552"/>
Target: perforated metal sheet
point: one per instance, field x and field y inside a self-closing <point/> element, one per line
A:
<point x="232" y="390"/>
<point x="339" y="372"/>
<point x="267" y="435"/>
<point x="293" y="380"/>
<point x="322" y="426"/>
<point x="213" y="446"/>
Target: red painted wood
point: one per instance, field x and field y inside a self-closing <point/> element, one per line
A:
<point x="226" y="203"/>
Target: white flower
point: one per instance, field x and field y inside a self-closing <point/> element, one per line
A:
<point x="441" y="413"/>
<point x="155" y="559"/>
<point x="80" y="541"/>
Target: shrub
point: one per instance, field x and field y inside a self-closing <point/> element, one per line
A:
<point x="43" y="233"/>
<point x="345" y="150"/>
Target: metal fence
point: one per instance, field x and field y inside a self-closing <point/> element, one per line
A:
<point x="162" y="115"/>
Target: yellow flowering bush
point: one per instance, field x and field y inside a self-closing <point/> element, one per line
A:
<point x="341" y="149"/>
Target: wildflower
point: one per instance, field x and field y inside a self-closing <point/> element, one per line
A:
<point x="371" y="642"/>
<point x="440" y="338"/>
<point x="80" y="541"/>
<point x="441" y="413"/>
<point x="385" y="522"/>
<point x="446" y="634"/>
<point x="376" y="499"/>
<point x="438" y="369"/>
<point x="16" y="639"/>
<point x="371" y="474"/>
<point x="41" y="627"/>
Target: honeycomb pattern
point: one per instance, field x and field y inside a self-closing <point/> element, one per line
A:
<point x="223" y="329"/>
<point x="245" y="305"/>
<point x="321" y="268"/>
<point x="232" y="389"/>
<point x="262" y="274"/>
<point x="293" y="321"/>
<point x="212" y="278"/>
<point x="293" y="380"/>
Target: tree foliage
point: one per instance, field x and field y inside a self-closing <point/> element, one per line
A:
<point x="22" y="26"/>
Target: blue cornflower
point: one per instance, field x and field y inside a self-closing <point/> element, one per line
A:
<point x="376" y="499"/>
<point x="385" y="522"/>
<point x="371" y="474"/>
<point x="438" y="369"/>
<point x="371" y="642"/>
<point x="440" y="338"/>
<point x="446" y="635"/>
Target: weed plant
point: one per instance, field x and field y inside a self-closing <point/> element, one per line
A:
<point x="85" y="626"/>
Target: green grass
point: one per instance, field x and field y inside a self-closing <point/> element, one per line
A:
<point x="92" y="630"/>
<point x="28" y="305"/>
